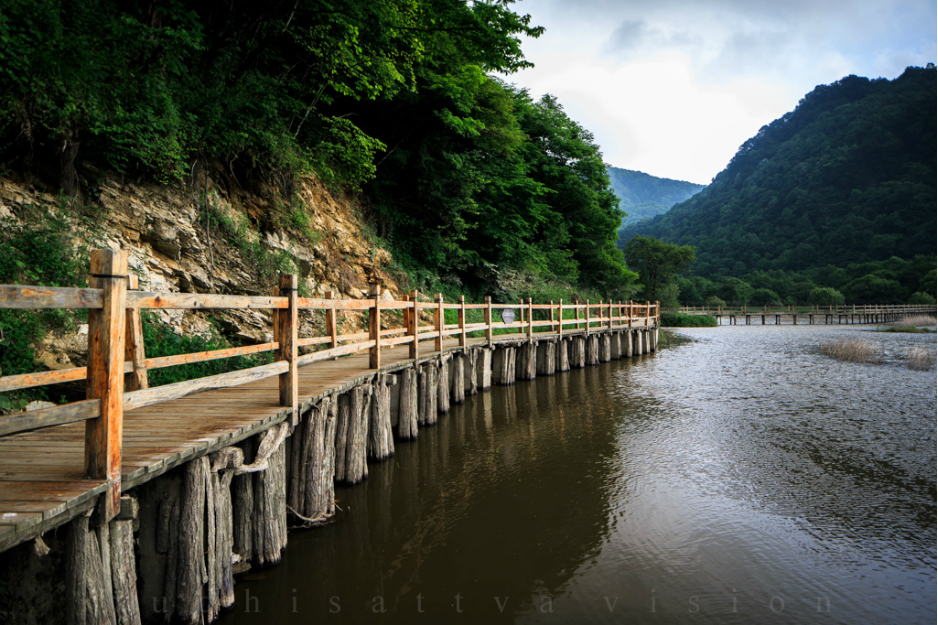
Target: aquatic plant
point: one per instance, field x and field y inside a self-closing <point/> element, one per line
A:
<point x="852" y="350"/>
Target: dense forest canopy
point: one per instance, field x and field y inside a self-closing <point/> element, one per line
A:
<point x="840" y="193"/>
<point x="468" y="176"/>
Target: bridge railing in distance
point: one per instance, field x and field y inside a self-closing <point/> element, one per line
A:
<point x="116" y="377"/>
<point x="854" y="309"/>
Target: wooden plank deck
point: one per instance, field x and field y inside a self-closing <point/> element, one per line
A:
<point x="41" y="472"/>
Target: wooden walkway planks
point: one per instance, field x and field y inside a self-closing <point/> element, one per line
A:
<point x="41" y="472"/>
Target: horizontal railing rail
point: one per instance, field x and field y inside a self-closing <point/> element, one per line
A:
<point x="848" y="309"/>
<point x="116" y="377"/>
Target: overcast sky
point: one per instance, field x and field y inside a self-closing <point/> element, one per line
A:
<point x="673" y="87"/>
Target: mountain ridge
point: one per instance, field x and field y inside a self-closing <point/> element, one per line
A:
<point x="643" y="196"/>
<point x="848" y="176"/>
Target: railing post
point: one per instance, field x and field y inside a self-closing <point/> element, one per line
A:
<point x="576" y="315"/>
<point x="657" y="313"/>
<point x="105" y="381"/>
<point x="560" y="318"/>
<point x="286" y="321"/>
<point x="374" y="326"/>
<point x="331" y="329"/>
<point x="587" y="316"/>
<point x="439" y="319"/>
<point x="488" y="319"/>
<point x="610" y="314"/>
<point x="462" y="320"/>
<point x="630" y="314"/>
<point x="414" y="327"/>
<point x="134" y="352"/>
<point x="530" y="319"/>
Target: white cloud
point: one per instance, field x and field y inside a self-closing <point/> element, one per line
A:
<point x="673" y="87"/>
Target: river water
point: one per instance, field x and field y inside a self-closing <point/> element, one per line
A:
<point x="739" y="478"/>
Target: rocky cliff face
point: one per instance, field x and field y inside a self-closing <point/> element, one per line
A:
<point x="215" y="237"/>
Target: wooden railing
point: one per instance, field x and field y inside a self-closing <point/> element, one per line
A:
<point x="116" y="375"/>
<point x="849" y="309"/>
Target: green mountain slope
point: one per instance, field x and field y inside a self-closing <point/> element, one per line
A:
<point x="643" y="196"/>
<point x="847" y="177"/>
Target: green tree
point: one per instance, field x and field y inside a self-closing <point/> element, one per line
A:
<point x="919" y="298"/>
<point x="657" y="262"/>
<point x="825" y="296"/>
<point x="764" y="297"/>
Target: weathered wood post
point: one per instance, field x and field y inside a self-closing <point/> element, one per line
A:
<point x="414" y="326"/>
<point x="530" y="320"/>
<point x="105" y="381"/>
<point x="610" y="314"/>
<point x="488" y="319"/>
<point x="286" y="322"/>
<point x="560" y="320"/>
<point x="576" y="314"/>
<point x="587" y="317"/>
<point x="462" y="322"/>
<point x="134" y="352"/>
<point x="374" y="326"/>
<point x="438" y="319"/>
<point x="331" y="329"/>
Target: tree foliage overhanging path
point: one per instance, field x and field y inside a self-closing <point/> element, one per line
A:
<point x="393" y="96"/>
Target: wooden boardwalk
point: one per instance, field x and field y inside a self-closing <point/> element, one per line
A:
<point x="42" y="482"/>
<point x="815" y="315"/>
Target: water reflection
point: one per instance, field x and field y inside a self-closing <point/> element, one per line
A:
<point x="740" y="478"/>
<point x="487" y="515"/>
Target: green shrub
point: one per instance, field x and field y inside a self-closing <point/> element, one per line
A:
<point x="920" y="298"/>
<point x="679" y="320"/>
<point x="160" y="340"/>
<point x="825" y="296"/>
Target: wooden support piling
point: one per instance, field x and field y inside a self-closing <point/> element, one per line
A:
<point x="408" y="407"/>
<point x="443" y="384"/>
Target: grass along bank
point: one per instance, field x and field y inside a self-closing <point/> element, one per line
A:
<point x="921" y="324"/>
<point x="864" y="351"/>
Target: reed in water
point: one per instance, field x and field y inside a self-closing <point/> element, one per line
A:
<point x="852" y="350"/>
<point x="920" y="359"/>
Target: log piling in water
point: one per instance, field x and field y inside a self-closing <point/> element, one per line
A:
<point x="472" y="371"/>
<point x="408" y="405"/>
<point x="563" y="355"/>
<point x="546" y="357"/>
<point x="485" y="368"/>
<point x="427" y="394"/>
<point x="458" y="376"/>
<point x="592" y="350"/>
<point x="380" y="438"/>
<point x="443" y="384"/>
<point x="527" y="367"/>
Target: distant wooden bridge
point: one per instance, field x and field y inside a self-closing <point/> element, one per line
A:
<point x="862" y="314"/>
<point x="336" y="404"/>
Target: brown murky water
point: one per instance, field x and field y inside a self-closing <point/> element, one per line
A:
<point x="740" y="478"/>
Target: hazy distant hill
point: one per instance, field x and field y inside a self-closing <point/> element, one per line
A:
<point x="643" y="196"/>
<point x="847" y="177"/>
